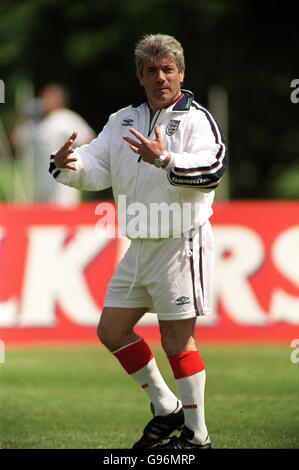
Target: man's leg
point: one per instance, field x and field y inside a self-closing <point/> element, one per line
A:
<point x="116" y="332"/>
<point x="116" y="326"/>
<point x="178" y="342"/>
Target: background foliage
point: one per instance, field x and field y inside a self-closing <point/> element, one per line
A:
<point x="247" y="47"/>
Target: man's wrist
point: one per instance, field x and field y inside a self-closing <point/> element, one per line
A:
<point x="166" y="161"/>
<point x="163" y="160"/>
<point x="53" y="165"/>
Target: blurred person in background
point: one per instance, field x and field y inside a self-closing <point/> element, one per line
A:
<point x="47" y="123"/>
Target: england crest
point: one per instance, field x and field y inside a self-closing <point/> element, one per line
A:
<point x="172" y="126"/>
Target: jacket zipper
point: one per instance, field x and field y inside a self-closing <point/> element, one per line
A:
<point x="151" y="128"/>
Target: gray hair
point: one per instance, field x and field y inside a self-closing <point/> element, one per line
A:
<point x="154" y="46"/>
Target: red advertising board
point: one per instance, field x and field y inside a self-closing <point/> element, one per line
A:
<point x="55" y="267"/>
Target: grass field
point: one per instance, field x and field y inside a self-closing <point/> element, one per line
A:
<point x="80" y="398"/>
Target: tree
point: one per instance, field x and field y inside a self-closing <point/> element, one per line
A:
<point x="246" y="47"/>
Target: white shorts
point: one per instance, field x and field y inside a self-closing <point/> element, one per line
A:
<point x="171" y="277"/>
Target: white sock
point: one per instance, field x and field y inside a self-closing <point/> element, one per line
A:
<point x="189" y="373"/>
<point x="139" y="362"/>
<point x="191" y="391"/>
<point x="151" y="380"/>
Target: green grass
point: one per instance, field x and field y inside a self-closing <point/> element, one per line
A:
<point x="80" y="398"/>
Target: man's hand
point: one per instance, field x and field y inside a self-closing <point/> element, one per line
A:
<point x="62" y="159"/>
<point x="149" y="150"/>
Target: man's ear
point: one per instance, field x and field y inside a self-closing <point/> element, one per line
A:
<point x="182" y="75"/>
<point x="139" y="76"/>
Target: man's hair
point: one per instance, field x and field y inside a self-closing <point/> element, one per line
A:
<point x="154" y="46"/>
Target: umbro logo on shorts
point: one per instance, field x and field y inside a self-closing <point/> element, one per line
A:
<point x="183" y="300"/>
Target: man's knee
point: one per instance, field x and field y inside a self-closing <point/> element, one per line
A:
<point x="101" y="333"/>
<point x="177" y="336"/>
<point x="115" y="328"/>
<point x="171" y="345"/>
<point x="105" y="330"/>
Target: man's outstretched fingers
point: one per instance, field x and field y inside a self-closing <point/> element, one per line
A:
<point x="131" y="141"/>
<point x="138" y="135"/>
<point x="73" y="136"/>
<point x="157" y="133"/>
<point x="69" y="141"/>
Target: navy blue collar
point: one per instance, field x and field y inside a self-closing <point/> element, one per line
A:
<point x="183" y="104"/>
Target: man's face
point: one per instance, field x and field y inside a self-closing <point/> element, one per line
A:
<point x="162" y="81"/>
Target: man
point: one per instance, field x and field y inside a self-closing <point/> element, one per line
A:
<point x="35" y="139"/>
<point x="173" y="153"/>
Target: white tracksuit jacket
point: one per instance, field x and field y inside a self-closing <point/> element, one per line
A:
<point x="195" y="143"/>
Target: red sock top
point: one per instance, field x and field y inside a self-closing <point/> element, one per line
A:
<point x="185" y="364"/>
<point x="135" y="356"/>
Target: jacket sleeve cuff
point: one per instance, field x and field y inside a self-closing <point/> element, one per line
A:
<point x="53" y="169"/>
<point x="170" y="164"/>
